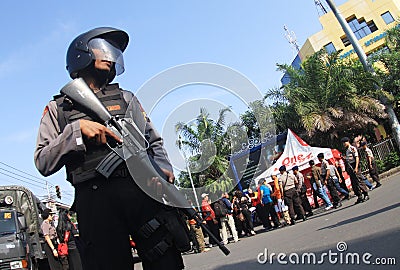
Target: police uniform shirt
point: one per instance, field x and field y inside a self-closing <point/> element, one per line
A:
<point x="369" y="154"/>
<point x="48" y="229"/>
<point x="300" y="179"/>
<point x="54" y="146"/>
<point x="287" y="181"/>
<point x="351" y="154"/>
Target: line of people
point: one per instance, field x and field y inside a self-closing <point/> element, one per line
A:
<point x="286" y="197"/>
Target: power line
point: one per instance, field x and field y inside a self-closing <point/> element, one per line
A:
<point x="22" y="172"/>
<point x="22" y="177"/>
<point x="42" y="182"/>
<point x="22" y="180"/>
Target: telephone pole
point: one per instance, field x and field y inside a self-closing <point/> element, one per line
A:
<point x="394" y="122"/>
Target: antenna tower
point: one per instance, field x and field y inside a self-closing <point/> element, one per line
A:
<point x="291" y="38"/>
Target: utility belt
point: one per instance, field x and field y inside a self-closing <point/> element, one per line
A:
<point x="165" y="230"/>
<point x="80" y="175"/>
<point x="350" y="166"/>
<point x="287" y="190"/>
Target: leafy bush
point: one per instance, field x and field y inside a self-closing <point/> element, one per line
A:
<point x="390" y="161"/>
<point x="380" y="164"/>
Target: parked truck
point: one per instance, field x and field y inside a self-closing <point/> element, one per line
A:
<point x="21" y="238"/>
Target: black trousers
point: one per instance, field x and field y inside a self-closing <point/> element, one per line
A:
<point x="263" y="215"/>
<point x="305" y="203"/>
<point x="270" y="211"/>
<point x="248" y="221"/>
<point x="332" y="190"/>
<point x="74" y="259"/>
<point x="214" y="229"/>
<point x="293" y="202"/>
<point x="373" y="172"/>
<point x="357" y="181"/>
<point x="109" y="211"/>
<point x="54" y="262"/>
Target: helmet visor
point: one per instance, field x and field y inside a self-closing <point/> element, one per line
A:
<point x="103" y="50"/>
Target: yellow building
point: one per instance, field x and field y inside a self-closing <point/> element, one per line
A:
<point x="369" y="20"/>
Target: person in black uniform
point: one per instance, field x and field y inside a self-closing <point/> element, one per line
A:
<point x="111" y="210"/>
<point x="66" y="230"/>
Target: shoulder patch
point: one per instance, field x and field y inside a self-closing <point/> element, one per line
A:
<point x="146" y="118"/>
<point x="46" y="110"/>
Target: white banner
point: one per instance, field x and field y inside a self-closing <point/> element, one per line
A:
<point x="296" y="153"/>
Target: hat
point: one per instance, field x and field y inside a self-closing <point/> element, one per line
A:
<point x="204" y="195"/>
<point x="320" y="155"/>
<point x="282" y="168"/>
<point x="363" y="143"/>
<point x="345" y="139"/>
<point x="295" y="168"/>
<point x="46" y="213"/>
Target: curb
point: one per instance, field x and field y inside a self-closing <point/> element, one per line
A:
<point x="390" y="172"/>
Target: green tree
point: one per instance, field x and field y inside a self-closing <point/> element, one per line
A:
<point x="387" y="62"/>
<point x="258" y="120"/>
<point x="325" y="96"/>
<point x="208" y="143"/>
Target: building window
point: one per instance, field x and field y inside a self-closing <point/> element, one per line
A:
<point x="346" y="41"/>
<point x="387" y="17"/>
<point x="330" y="48"/>
<point x="360" y="28"/>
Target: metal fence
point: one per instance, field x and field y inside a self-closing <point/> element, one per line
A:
<point x="380" y="151"/>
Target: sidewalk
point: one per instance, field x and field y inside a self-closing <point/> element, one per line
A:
<point x="389" y="173"/>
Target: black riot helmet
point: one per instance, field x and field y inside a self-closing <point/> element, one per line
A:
<point x="110" y="41"/>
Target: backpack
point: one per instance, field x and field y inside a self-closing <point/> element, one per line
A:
<point x="220" y="209"/>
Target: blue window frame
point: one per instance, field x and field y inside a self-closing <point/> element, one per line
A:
<point x="360" y="28"/>
<point x="330" y="48"/>
<point x="387" y="17"/>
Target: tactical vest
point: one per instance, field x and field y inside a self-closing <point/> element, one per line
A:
<point x="81" y="167"/>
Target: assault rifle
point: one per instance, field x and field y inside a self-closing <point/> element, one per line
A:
<point x="133" y="151"/>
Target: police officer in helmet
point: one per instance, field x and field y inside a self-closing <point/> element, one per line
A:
<point x="109" y="210"/>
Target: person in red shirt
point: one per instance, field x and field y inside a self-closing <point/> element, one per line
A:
<point x="209" y="217"/>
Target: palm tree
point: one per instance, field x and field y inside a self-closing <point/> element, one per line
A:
<point x="324" y="94"/>
<point x="208" y="143"/>
<point x="388" y="66"/>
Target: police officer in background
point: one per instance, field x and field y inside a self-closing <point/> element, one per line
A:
<point x="109" y="210"/>
<point x="352" y="162"/>
<point x="287" y="184"/>
<point x="373" y="169"/>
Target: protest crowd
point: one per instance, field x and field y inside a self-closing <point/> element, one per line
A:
<point x="283" y="199"/>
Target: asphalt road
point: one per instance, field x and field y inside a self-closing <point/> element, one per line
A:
<point x="369" y="231"/>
